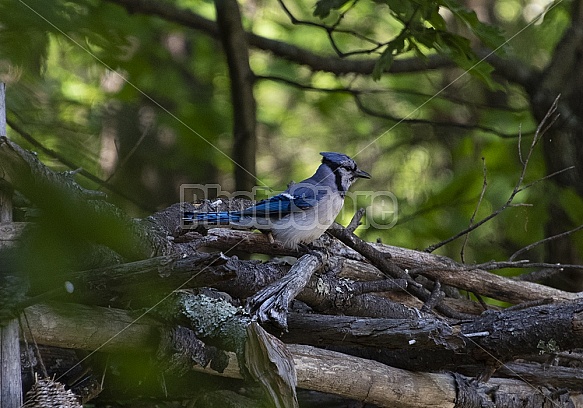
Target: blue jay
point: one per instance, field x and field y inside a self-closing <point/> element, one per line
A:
<point x="300" y="214"/>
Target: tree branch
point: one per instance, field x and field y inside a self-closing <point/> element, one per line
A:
<point x="281" y="49"/>
<point x="473" y="217"/>
<point x="542" y="241"/>
<point x="468" y="277"/>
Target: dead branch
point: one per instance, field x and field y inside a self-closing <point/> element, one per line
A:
<point x="544" y="125"/>
<point x="543" y="241"/>
<point x="471" y="278"/>
<point x="424" y="334"/>
<point x="272" y="302"/>
<point x="473" y="217"/>
<point x="178" y="267"/>
<point x="263" y="352"/>
<point x="488" y="340"/>
<point x="383" y="261"/>
<point x="91" y="328"/>
<point x="449" y="272"/>
<point x="355" y="221"/>
<point x="317" y="369"/>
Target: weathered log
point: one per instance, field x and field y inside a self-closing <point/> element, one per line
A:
<point x="83" y="327"/>
<point x="109" y="330"/>
<point x="490" y="339"/>
<point x="439" y="267"/>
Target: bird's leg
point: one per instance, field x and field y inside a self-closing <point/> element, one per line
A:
<point x="304" y="248"/>
<point x="314" y="250"/>
<point x="269" y="236"/>
<point x="323" y="244"/>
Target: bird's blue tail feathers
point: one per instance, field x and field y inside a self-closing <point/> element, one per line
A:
<point x="211" y="218"/>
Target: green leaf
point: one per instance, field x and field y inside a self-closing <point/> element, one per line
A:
<point x="403" y="8"/>
<point x="383" y="63"/>
<point x="459" y="50"/>
<point x="426" y="37"/>
<point x="323" y="7"/>
<point x="396" y="46"/>
<point x="456" y="45"/>
<point x="488" y="34"/>
<point x="437" y="21"/>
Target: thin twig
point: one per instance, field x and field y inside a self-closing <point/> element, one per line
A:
<point x="330" y="30"/>
<point x="520" y="144"/>
<point x="548" y="176"/>
<point x="383" y="262"/>
<point x="543" y="241"/>
<point x="545" y="124"/>
<point x="434" y="298"/>
<point x="355" y="221"/>
<point x="526" y="305"/>
<point x="493" y="265"/>
<point x="377" y="114"/>
<point x="370" y="91"/>
<point x="540" y="275"/>
<point x="473" y="217"/>
<point x="481" y="300"/>
<point x="36" y="348"/>
<point x="334" y="29"/>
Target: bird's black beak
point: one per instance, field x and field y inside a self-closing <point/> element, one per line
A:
<point x="362" y="174"/>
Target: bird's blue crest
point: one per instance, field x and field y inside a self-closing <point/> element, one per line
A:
<point x="336" y="158"/>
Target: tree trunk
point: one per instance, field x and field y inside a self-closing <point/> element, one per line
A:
<point x="235" y="44"/>
<point x="10" y="383"/>
<point x="563" y="143"/>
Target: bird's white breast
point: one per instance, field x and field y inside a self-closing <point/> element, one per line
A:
<point x="306" y="226"/>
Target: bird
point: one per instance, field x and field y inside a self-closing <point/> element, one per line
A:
<point x="299" y="215"/>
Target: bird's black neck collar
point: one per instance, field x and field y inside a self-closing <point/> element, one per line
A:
<point x="337" y="176"/>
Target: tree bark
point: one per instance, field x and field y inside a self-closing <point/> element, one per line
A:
<point x="435" y="266"/>
<point x="235" y="45"/>
<point x="563" y="145"/>
<point x="10" y="382"/>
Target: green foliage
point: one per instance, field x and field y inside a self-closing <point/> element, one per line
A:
<point x="459" y="50"/>
<point x="424" y="30"/>
<point x="387" y="57"/>
<point x="490" y="35"/>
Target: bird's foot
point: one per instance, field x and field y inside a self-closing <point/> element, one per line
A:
<point x="313" y="249"/>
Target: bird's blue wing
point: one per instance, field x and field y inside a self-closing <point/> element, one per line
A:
<point x="300" y="198"/>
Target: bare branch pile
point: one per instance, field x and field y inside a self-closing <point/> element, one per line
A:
<point x="349" y="319"/>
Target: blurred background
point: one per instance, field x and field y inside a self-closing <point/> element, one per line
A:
<point x="139" y="95"/>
